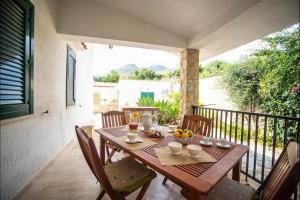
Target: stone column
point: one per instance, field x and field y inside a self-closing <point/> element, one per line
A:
<point x="189" y="80"/>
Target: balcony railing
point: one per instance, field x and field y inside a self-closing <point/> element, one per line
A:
<point x="265" y="135"/>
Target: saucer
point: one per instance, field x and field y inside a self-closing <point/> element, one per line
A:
<point x="223" y="146"/>
<point x="134" y="141"/>
<point x="175" y="153"/>
<point x="195" y="156"/>
<point x="206" y="144"/>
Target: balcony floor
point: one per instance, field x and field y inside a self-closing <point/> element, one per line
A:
<point x="68" y="177"/>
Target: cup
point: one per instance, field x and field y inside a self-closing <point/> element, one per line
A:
<point x="175" y="147"/>
<point x="194" y="150"/>
<point x="223" y="142"/>
<point x="131" y="136"/>
<point x="206" y="140"/>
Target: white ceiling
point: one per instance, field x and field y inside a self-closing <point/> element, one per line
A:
<point x="186" y="18"/>
<point x="213" y="26"/>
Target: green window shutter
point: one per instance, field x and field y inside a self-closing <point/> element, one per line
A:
<point x="71" y="77"/>
<point x="147" y="95"/>
<point x="16" y="58"/>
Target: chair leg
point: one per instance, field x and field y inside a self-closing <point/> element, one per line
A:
<point x="107" y="151"/>
<point x="143" y="191"/>
<point x="100" y="196"/>
<point x="164" y="181"/>
<point x="110" y="156"/>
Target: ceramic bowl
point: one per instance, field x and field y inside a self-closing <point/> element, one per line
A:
<point x="194" y="150"/>
<point x="175" y="147"/>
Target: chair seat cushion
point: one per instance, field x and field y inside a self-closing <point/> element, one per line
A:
<point x="127" y="175"/>
<point x="228" y="189"/>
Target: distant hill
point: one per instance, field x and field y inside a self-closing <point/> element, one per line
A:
<point x="127" y="69"/>
<point x="159" y="68"/>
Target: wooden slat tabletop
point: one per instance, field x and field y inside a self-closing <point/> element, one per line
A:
<point x="199" y="177"/>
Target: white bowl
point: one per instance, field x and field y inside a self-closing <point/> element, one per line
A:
<point x="194" y="150"/>
<point x="131" y="136"/>
<point x="175" y="147"/>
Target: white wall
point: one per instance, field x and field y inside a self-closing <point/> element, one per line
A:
<point x="130" y="90"/>
<point x="29" y="142"/>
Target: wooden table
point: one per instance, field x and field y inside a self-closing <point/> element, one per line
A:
<point x="199" y="178"/>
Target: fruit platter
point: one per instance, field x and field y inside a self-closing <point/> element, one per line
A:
<point x="183" y="136"/>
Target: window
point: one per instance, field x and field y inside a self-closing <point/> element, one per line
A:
<point x="16" y="58"/>
<point x="71" y="77"/>
<point x="147" y="95"/>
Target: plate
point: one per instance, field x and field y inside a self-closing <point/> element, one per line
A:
<point x="134" y="141"/>
<point x="206" y="144"/>
<point x="223" y="146"/>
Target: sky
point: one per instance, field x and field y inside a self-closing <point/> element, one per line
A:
<point x="107" y="59"/>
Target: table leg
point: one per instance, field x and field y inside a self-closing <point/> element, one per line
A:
<point x="236" y="172"/>
<point x="102" y="150"/>
<point x="196" y="196"/>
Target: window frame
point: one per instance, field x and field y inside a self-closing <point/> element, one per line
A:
<point x="70" y="102"/>
<point x="27" y="108"/>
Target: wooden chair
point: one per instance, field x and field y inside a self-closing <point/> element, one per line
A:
<point x="112" y="119"/>
<point x="118" y="179"/>
<point x="198" y="124"/>
<point x="278" y="185"/>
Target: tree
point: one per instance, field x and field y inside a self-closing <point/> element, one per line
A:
<point x="270" y="79"/>
<point x="112" y="77"/>
<point x="282" y="72"/>
<point x="266" y="79"/>
<point x="214" y="68"/>
<point x="146" y="74"/>
<point x="242" y="82"/>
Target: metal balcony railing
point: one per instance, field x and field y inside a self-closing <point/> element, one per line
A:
<point x="265" y="135"/>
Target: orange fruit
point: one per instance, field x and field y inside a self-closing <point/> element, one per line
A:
<point x="177" y="135"/>
<point x="185" y="135"/>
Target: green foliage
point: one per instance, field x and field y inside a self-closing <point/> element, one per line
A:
<point x="240" y="132"/>
<point x="175" y="74"/>
<point x="269" y="81"/>
<point x="214" y="68"/>
<point x="145" y="101"/>
<point x="242" y="82"/>
<point x="112" y="77"/>
<point x="168" y="110"/>
<point x="146" y="74"/>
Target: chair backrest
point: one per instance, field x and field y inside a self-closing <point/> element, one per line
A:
<point x="113" y="119"/>
<point x="90" y="154"/>
<point x="284" y="176"/>
<point x="197" y="124"/>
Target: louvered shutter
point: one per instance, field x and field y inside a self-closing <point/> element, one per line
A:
<point x="16" y="58"/>
<point x="71" y="77"/>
